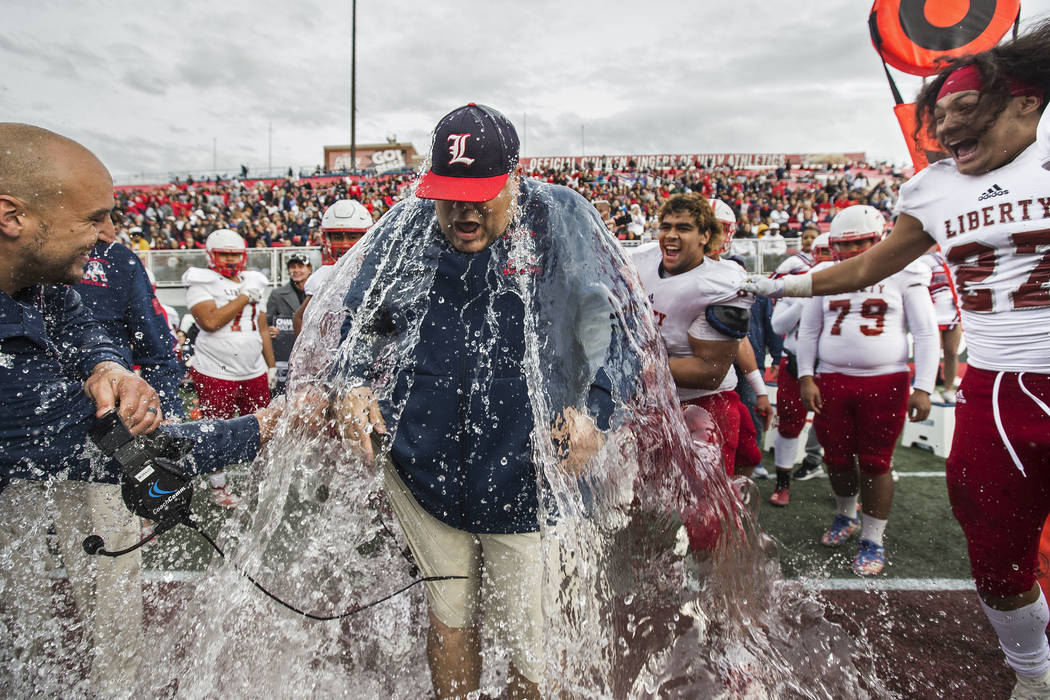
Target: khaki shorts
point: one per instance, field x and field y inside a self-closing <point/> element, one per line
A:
<point x="509" y="567"/>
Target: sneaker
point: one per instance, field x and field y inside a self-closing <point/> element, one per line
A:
<point x="1037" y="688"/>
<point x="221" y="496"/>
<point x="948" y="395"/>
<point x="807" y="470"/>
<point x="760" y="473"/>
<point x="871" y="558"/>
<point x="842" y="528"/>
<point x="781" y="496"/>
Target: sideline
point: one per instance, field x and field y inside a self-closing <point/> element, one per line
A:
<point x="888" y="584"/>
<point x="897" y="474"/>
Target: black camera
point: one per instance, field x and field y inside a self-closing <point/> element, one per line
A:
<point x="153" y="485"/>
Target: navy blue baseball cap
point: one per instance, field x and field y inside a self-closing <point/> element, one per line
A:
<point x="475" y="150"/>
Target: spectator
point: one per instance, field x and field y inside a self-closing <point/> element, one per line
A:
<point x="281" y="307"/>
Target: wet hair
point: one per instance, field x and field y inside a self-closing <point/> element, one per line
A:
<point x="1025" y="59"/>
<point x="702" y="213"/>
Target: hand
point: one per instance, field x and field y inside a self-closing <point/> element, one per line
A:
<point x="271" y="377"/>
<point x="357" y="415"/>
<point x="306" y="411"/>
<point x="252" y="290"/>
<point x="764" y="286"/>
<point x="918" y="406"/>
<point x="273" y="332"/>
<point x="810" y="393"/>
<point x="774" y="372"/>
<point x="764" y="409"/>
<point x="112" y="386"/>
<point x="578" y="437"/>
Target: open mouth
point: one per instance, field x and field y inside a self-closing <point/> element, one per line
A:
<point x="672" y="253"/>
<point x="466" y="229"/>
<point x="963" y="150"/>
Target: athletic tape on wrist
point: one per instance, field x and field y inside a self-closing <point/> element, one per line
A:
<point x="758" y="384"/>
<point x="798" y="286"/>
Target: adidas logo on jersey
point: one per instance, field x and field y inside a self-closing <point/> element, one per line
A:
<point x="959" y="398"/>
<point x="993" y="191"/>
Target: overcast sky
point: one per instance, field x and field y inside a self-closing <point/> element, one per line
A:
<point x="149" y="85"/>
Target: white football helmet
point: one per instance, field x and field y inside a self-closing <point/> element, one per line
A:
<point x="224" y="240"/>
<point x="821" y="250"/>
<point x="724" y="214"/>
<point x="348" y="217"/>
<point x="859" y="222"/>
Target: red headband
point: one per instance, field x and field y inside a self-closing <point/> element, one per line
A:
<point x="969" y="78"/>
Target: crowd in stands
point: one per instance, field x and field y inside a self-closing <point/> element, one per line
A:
<point x="274" y="213"/>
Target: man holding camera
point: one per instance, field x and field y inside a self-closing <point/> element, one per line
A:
<point x="59" y="372"/>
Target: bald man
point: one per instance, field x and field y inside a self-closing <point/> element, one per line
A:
<point x="58" y="372"/>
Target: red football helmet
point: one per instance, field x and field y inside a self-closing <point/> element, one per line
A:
<point x="856" y="223"/>
<point x="348" y="217"/>
<point x="226" y="241"/>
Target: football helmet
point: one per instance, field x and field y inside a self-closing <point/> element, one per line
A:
<point x="348" y="217"/>
<point x="224" y="240"/>
<point x="724" y="214"/>
<point x="859" y="222"/>
<point x="821" y="249"/>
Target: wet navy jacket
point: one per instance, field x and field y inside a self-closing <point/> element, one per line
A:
<point x="49" y="344"/>
<point x="463" y="439"/>
<point x="119" y="295"/>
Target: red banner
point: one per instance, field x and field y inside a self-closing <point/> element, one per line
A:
<point x="922" y="148"/>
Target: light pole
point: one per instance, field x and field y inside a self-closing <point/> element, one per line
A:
<point x="353" y="85"/>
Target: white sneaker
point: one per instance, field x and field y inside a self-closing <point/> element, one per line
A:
<point x="221" y="496"/>
<point x="760" y="473"/>
<point x="1037" y="688"/>
<point x="948" y="395"/>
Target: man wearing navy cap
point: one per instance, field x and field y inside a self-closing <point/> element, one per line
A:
<point x="460" y="475"/>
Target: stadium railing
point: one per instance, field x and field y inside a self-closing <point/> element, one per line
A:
<point x="760" y="256"/>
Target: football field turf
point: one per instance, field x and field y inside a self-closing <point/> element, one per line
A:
<point x="922" y="538"/>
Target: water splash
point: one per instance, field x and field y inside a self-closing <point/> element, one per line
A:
<point x="657" y="580"/>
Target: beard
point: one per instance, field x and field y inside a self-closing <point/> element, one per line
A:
<point x="49" y="269"/>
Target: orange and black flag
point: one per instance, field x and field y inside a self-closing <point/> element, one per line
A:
<point x="914" y="35"/>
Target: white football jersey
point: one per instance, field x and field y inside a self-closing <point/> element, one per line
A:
<point x="233" y="352"/>
<point x="788" y="311"/>
<point x="794" y="264"/>
<point x="317" y="279"/>
<point x="942" y="289"/>
<point x="865" y="333"/>
<point x="680" y="303"/>
<point x="994" y="231"/>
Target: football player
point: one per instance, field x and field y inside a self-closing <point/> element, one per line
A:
<point x="233" y="362"/>
<point x="984" y="205"/>
<point x="860" y="393"/>
<point x="343" y="224"/>
<point x="791" y="414"/>
<point x="698" y="310"/>
<point x="946" y="306"/>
